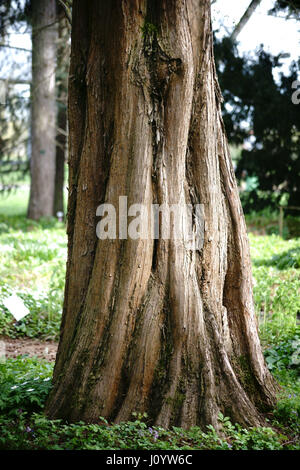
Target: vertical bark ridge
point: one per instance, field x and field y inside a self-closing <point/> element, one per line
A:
<point x="77" y="122"/>
<point x="89" y="155"/>
<point x="240" y="307"/>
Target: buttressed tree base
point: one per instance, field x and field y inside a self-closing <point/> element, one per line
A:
<point x="149" y="325"/>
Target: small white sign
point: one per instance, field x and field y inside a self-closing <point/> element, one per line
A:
<point x="16" y="307"/>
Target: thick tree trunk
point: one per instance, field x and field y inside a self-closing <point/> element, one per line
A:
<point x="151" y="326"/>
<point x="43" y="117"/>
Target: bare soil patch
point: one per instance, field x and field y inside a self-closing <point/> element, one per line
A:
<point x="28" y="346"/>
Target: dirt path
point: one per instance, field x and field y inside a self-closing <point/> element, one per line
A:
<point x="26" y="346"/>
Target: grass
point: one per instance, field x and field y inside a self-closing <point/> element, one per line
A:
<point x="276" y="272"/>
<point x="15" y="202"/>
<point x="32" y="265"/>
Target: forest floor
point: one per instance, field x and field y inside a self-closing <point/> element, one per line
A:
<point x="31" y="347"/>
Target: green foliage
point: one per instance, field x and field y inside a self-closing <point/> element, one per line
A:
<point x="285" y="354"/>
<point x="262" y="438"/>
<point x="266" y="219"/>
<point x="286" y="415"/>
<point x="24" y="385"/>
<point x="262" y="218"/>
<point x="287" y="259"/>
<point x="40" y="433"/>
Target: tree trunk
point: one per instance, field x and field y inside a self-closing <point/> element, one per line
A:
<point x="61" y="129"/>
<point x="60" y="160"/>
<point x="149" y="325"/>
<point x="43" y="117"/>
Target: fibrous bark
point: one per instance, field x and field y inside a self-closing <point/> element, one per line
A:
<point x="43" y="110"/>
<point x="149" y="325"/>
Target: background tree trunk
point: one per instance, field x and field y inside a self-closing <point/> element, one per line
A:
<point x="153" y="326"/>
<point x="61" y="139"/>
<point x="61" y="129"/>
<point x="43" y="116"/>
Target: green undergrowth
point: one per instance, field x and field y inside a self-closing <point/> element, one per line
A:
<point x="25" y="384"/>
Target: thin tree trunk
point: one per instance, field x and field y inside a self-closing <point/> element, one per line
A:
<point x="61" y="130"/>
<point x="60" y="160"/>
<point x="245" y="18"/>
<point x="43" y="116"/>
<point x="153" y="326"/>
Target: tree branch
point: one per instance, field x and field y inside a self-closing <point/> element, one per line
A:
<point x="245" y="18"/>
<point x="14" y="47"/>
<point x="66" y="10"/>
